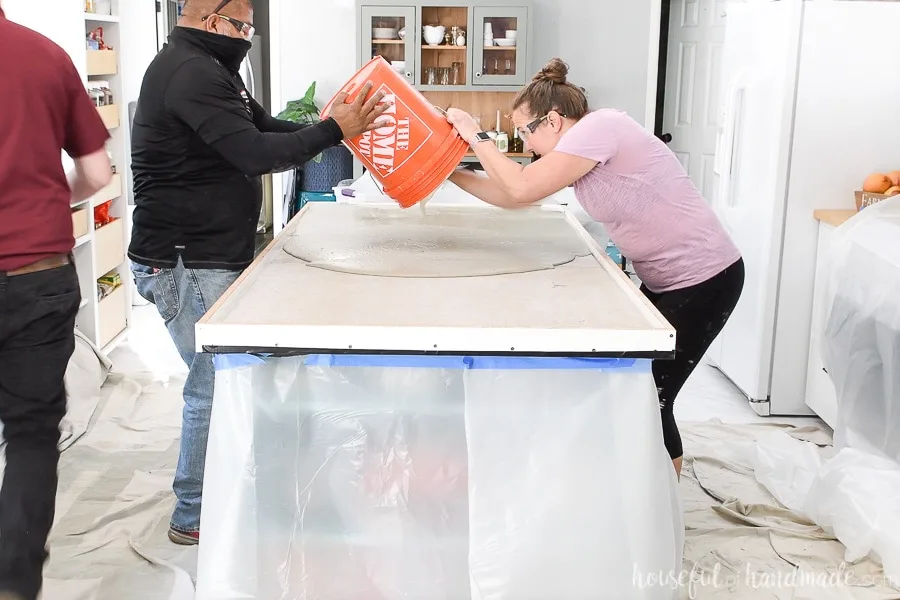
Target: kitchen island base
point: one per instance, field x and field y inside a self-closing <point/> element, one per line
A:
<point x="379" y="477"/>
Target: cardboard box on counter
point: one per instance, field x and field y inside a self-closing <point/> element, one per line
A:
<point x="864" y="199"/>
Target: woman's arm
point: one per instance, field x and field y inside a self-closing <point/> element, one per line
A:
<point x="532" y="183"/>
<point x="523" y="185"/>
<point x="483" y="188"/>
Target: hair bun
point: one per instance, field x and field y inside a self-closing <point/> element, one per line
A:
<point x="555" y="72"/>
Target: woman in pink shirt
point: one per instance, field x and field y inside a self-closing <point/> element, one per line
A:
<point x="630" y="181"/>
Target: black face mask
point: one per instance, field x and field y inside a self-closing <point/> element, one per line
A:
<point x="229" y="51"/>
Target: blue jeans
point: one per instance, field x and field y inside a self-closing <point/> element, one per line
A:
<point x="182" y="296"/>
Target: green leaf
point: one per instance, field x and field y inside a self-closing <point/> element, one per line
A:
<point x="310" y="96"/>
<point x="303" y="110"/>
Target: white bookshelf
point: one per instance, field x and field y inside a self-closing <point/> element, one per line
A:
<point x="67" y="24"/>
<point x="102" y="251"/>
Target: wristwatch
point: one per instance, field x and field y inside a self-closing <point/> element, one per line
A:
<point x="481" y="136"/>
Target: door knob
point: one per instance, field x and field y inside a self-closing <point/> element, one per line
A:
<point x="666" y="138"/>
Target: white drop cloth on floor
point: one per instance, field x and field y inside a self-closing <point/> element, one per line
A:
<point x="742" y="543"/>
<point x="115" y="499"/>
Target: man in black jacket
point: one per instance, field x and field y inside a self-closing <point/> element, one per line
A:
<point x="199" y="146"/>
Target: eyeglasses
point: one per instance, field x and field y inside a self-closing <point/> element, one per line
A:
<point x="245" y="29"/>
<point x="525" y="132"/>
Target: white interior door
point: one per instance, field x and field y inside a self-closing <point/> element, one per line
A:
<point x="696" y="36"/>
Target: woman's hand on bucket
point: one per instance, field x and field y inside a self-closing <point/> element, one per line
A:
<point x="463" y="122"/>
<point x="361" y="115"/>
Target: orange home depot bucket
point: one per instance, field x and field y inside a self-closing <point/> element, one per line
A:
<point x="416" y="151"/>
<point x="441" y="162"/>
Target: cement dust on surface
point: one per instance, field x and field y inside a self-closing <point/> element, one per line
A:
<point x="442" y="242"/>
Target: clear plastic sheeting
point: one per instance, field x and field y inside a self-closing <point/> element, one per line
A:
<point x="855" y="496"/>
<point x="852" y="496"/>
<point x="861" y="343"/>
<point x="437" y="478"/>
<point x="787" y="468"/>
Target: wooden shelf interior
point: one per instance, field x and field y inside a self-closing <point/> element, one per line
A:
<point x="101" y="63"/>
<point x="109" y="242"/>
<point x="485" y="104"/>
<point x="82" y="219"/>
<point x="110" y="115"/>
<point x="112" y="315"/>
<point x="444" y="56"/>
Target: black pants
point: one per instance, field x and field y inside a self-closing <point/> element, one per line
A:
<point x="37" y="338"/>
<point x="698" y="313"/>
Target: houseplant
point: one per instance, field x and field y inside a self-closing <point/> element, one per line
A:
<point x="303" y="111"/>
<point x="328" y="168"/>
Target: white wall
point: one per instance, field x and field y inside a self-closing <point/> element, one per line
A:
<point x="607" y="44"/>
<point x="62" y="21"/>
<point x="316" y="45"/>
<point x="138" y="44"/>
<point x="138" y="49"/>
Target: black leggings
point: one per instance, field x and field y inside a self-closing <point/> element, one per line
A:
<point x="698" y="313"/>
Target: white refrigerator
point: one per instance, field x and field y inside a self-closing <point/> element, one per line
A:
<point x="810" y="104"/>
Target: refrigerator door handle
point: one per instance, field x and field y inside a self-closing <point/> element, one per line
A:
<point x="727" y="144"/>
<point x="734" y="153"/>
<point x="722" y="139"/>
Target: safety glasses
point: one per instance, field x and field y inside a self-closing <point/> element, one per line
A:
<point x="246" y="30"/>
<point x="525" y="132"/>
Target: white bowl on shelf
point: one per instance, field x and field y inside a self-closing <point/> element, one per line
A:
<point x="384" y="33"/>
<point x="511" y="34"/>
<point x="433" y="34"/>
<point x="506" y="43"/>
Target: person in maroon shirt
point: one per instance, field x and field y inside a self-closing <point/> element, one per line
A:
<point x="44" y="111"/>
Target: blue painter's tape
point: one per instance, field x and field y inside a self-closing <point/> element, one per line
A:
<point x="494" y="363"/>
<point x="223" y="362"/>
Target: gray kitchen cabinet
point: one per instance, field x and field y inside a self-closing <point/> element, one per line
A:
<point x="504" y="62"/>
<point x="390" y="32"/>
<point x="502" y="66"/>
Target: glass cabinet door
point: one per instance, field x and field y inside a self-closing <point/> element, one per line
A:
<point x="499" y="39"/>
<point x="389" y="32"/>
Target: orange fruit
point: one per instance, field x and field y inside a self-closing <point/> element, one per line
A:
<point x="877" y="183"/>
